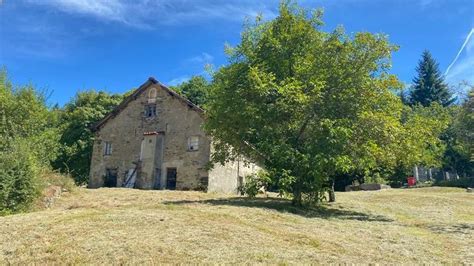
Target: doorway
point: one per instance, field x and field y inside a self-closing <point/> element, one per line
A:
<point x="110" y="178"/>
<point x="171" y="178"/>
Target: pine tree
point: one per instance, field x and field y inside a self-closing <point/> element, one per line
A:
<point x="429" y="85"/>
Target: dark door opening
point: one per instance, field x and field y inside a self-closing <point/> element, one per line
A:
<point x="110" y="178"/>
<point x="171" y="178"/>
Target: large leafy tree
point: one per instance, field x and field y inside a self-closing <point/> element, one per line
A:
<point x="428" y="85"/>
<point x="306" y="103"/>
<point x="76" y="140"/>
<point x="25" y="115"/>
<point x="421" y="144"/>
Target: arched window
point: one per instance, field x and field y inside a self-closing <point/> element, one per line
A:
<point x="152" y="94"/>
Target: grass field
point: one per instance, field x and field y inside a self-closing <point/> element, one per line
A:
<point x="429" y="225"/>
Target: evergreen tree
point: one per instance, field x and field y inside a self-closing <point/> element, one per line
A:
<point x="429" y="85"/>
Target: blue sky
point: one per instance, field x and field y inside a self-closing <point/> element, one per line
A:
<point x="64" y="46"/>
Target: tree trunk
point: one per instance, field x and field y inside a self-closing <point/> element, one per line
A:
<point x="297" y="199"/>
<point x="297" y="195"/>
<point x="332" y="195"/>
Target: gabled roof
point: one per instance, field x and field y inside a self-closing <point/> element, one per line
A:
<point x="134" y="96"/>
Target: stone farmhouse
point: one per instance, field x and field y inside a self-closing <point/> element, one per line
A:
<point x="154" y="140"/>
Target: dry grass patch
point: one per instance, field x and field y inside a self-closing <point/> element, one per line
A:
<point x="430" y="225"/>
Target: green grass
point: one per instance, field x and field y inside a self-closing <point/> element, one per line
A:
<point x="427" y="225"/>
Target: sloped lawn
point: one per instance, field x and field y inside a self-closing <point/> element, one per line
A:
<point x="429" y="225"/>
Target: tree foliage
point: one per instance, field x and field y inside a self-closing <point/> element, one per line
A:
<point x="28" y="141"/>
<point x="466" y="123"/>
<point x="196" y="90"/>
<point x="459" y="137"/>
<point x="429" y="86"/>
<point x="310" y="104"/>
<point x="76" y="140"/>
<point x="19" y="183"/>
<point x="25" y="115"/>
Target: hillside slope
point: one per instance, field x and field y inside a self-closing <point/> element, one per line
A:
<point x="133" y="226"/>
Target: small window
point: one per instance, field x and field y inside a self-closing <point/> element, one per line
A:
<point x="108" y="148"/>
<point x="193" y="143"/>
<point x="150" y="111"/>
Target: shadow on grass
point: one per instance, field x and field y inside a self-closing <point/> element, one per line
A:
<point x="285" y="206"/>
<point x="453" y="229"/>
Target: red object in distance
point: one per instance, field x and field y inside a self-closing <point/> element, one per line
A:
<point x="411" y="181"/>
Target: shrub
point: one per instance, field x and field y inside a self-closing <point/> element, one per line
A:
<point x="462" y="182"/>
<point x="19" y="185"/>
<point x="253" y="183"/>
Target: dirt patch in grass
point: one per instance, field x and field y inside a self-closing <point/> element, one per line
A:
<point x="429" y="225"/>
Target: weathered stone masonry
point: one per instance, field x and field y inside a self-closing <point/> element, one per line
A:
<point x="154" y="137"/>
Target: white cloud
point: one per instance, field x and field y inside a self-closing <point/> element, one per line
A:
<point x="148" y="14"/>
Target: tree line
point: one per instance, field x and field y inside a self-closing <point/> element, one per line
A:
<point x="314" y="108"/>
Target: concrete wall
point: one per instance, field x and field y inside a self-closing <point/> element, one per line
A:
<point x="175" y="121"/>
<point x="225" y="178"/>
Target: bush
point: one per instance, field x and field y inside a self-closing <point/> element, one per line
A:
<point x="253" y="183"/>
<point x="22" y="180"/>
<point x="462" y="182"/>
<point x="19" y="185"/>
<point x="29" y="141"/>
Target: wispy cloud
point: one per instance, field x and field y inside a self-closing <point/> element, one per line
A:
<point x="110" y="9"/>
<point x="40" y="39"/>
<point x="466" y="41"/>
<point x="148" y="14"/>
<point x="178" y="80"/>
<point x="48" y="37"/>
<point x="462" y="67"/>
<point x="203" y="58"/>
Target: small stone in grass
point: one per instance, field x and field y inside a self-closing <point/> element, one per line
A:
<point x="469" y="190"/>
